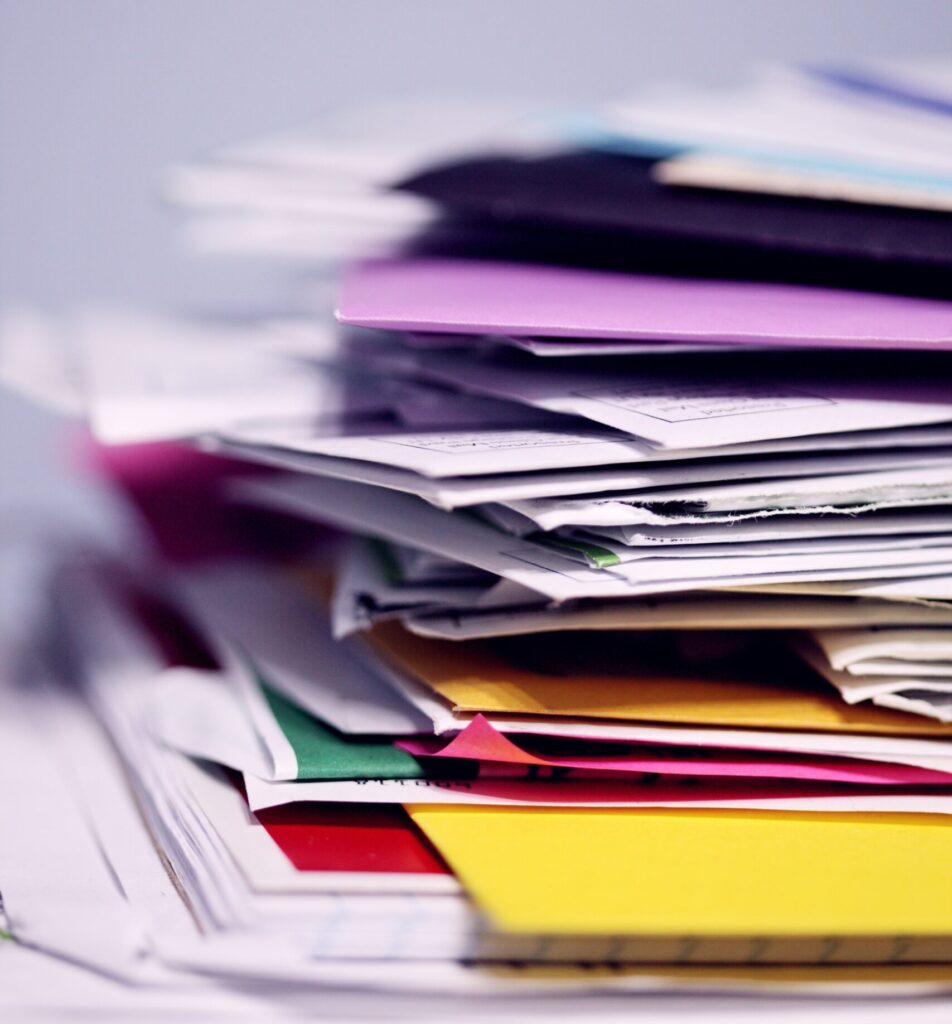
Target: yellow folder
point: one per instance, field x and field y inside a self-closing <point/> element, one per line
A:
<point x="701" y="873"/>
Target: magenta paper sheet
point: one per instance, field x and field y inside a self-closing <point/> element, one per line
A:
<point x="479" y="741"/>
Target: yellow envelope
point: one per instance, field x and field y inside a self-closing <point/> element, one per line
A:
<point x="472" y="678"/>
<point x="698" y="872"/>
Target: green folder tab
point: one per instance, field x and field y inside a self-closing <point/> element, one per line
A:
<point x="324" y="753"/>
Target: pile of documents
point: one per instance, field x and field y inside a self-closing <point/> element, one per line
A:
<point x="557" y="596"/>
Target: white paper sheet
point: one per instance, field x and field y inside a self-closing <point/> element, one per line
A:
<point x="406" y="520"/>
<point x="59" y="896"/>
<point x="423" y="407"/>
<point x="848" y="494"/>
<point x="592" y="548"/>
<point x="736" y="174"/>
<point x="475" y="452"/>
<point x="721" y="610"/>
<point x="928" y="482"/>
<point x="364" y="591"/>
<point x="458" y="468"/>
<point x="782" y="114"/>
<point x="933" y="670"/>
<point x="154" y="378"/>
<point x="845" y="648"/>
<point x="671" y="410"/>
<point x="562" y="348"/>
<point x="361" y="147"/>
<point x="200" y="714"/>
<point x="565" y="794"/>
<point x="920" y="700"/>
<point x="120" y="670"/>
<point x="933" y="589"/>
<point x="287" y="635"/>
<point x="629" y="514"/>
<point x="320" y="193"/>
<point x="791" y="528"/>
<point x="268" y="869"/>
<point x="855" y="689"/>
<point x="35" y="360"/>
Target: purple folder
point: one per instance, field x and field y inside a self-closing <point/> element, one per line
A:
<point x="481" y="297"/>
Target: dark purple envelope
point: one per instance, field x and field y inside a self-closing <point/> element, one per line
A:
<point x="602" y="209"/>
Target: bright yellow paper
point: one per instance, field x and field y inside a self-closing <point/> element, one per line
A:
<point x="472" y="678"/>
<point x="698" y="872"/>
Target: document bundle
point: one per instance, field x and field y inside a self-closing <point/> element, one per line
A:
<point x="554" y="598"/>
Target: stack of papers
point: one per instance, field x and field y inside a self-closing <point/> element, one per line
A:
<point x="907" y="669"/>
<point x="570" y="611"/>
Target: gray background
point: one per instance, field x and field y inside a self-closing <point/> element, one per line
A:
<point x="96" y="96"/>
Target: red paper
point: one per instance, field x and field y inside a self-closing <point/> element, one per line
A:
<point x="345" y="837"/>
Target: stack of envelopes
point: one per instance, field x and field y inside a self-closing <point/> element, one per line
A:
<point x="631" y="643"/>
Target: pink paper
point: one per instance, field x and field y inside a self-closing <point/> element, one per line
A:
<point x="179" y="493"/>
<point x="479" y="741"/>
<point x="461" y="296"/>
